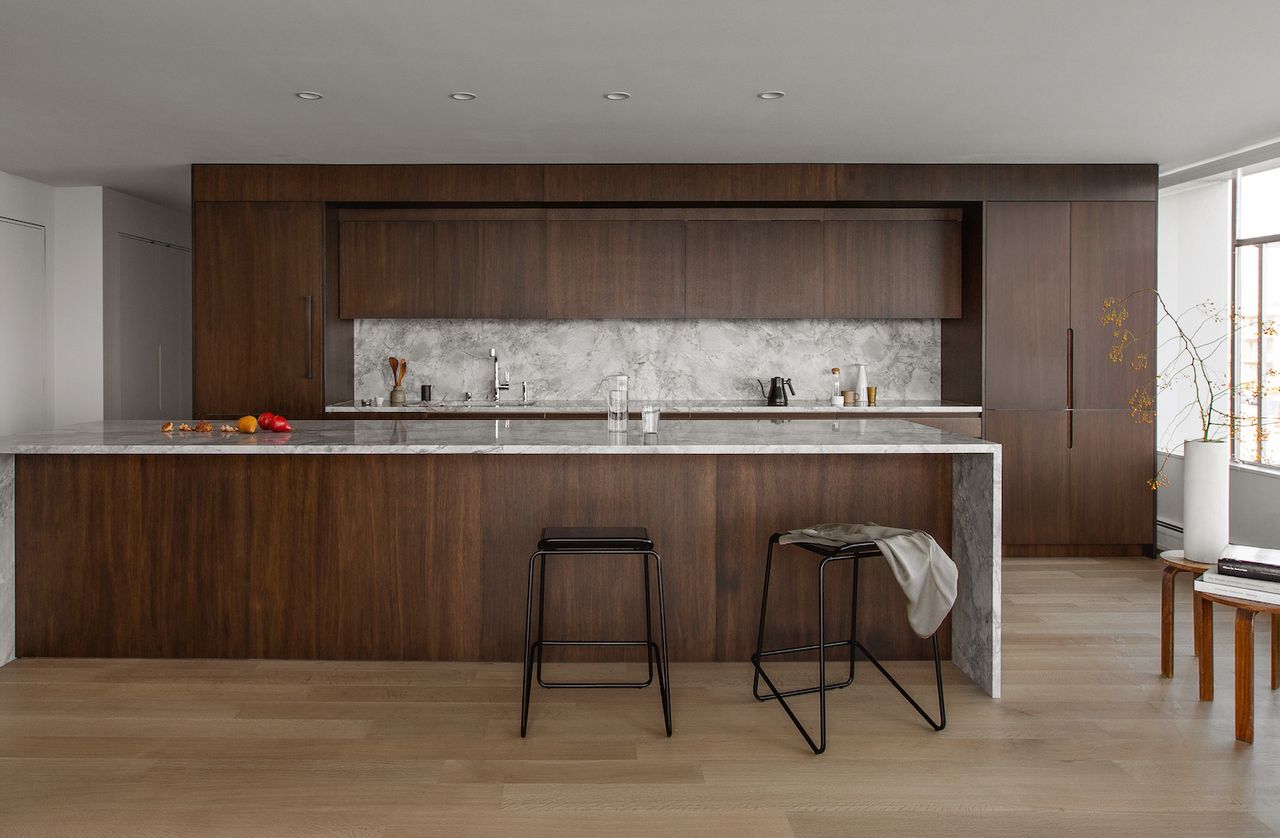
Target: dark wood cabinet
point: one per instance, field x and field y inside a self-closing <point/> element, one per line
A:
<point x="1028" y="298"/>
<point x="1112" y="459"/>
<point x="386" y="269"/>
<point x="615" y="268"/>
<point x="753" y="269"/>
<point x="1036" y="453"/>
<point x="892" y="267"/>
<point x="1075" y="477"/>
<point x="1112" y="255"/>
<point x="491" y="268"/>
<point x="258" y="309"/>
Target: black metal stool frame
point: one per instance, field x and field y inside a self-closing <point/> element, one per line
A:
<point x="854" y="552"/>
<point x="533" y="650"/>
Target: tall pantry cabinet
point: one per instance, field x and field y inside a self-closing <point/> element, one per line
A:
<point x="1076" y="460"/>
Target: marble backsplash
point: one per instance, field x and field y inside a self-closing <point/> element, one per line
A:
<point x="665" y="359"/>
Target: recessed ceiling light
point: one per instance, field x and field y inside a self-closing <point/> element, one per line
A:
<point x="309" y="95"/>
<point x="617" y="96"/>
<point x="462" y="96"/>
<point x="771" y="94"/>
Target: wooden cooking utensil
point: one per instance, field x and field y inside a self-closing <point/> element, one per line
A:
<point x="404" y="368"/>
<point x="395" y="365"/>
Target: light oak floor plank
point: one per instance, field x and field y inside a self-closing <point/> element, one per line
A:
<point x="1088" y="740"/>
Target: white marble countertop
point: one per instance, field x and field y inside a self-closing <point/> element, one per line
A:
<point x="511" y="436"/>
<point x="672" y="406"/>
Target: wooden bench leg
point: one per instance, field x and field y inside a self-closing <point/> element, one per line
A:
<point x="1205" y="623"/>
<point x="1166" y="621"/>
<point x="1275" y="651"/>
<point x="1244" y="675"/>
<point x="1195" y="617"/>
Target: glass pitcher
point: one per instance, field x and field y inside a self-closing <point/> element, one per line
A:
<point x="616" y="403"/>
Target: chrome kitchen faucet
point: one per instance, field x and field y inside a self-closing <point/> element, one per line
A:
<point x="500" y="382"/>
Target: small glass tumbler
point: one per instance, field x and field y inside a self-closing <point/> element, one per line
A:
<point x="649" y="417"/>
<point x="617" y="413"/>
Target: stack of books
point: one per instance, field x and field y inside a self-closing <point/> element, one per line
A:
<point x="1250" y="573"/>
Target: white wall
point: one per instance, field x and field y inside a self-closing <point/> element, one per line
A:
<point x="26" y="254"/>
<point x="77" y="305"/>
<point x="56" y="327"/>
<point x="1255" y="504"/>
<point x="1194" y="265"/>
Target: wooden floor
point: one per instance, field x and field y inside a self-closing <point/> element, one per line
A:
<point x="1088" y="740"/>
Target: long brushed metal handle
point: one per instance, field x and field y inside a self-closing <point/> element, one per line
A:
<point x="160" y="376"/>
<point x="1071" y="429"/>
<point x="310" y="336"/>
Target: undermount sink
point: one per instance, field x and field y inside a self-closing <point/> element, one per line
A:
<point x="486" y="405"/>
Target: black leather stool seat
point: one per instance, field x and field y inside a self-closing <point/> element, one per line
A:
<point x="595" y="538"/>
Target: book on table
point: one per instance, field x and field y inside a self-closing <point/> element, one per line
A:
<point x="1253" y="590"/>
<point x="1243" y="562"/>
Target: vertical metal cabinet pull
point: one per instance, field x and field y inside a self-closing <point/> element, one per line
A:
<point x="1071" y="388"/>
<point x="160" y="377"/>
<point x="1071" y="368"/>
<point x="310" y="348"/>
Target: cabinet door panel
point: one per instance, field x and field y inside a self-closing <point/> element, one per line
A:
<point x="1028" y="250"/>
<point x="1112" y="458"/>
<point x="491" y="268"/>
<point x="892" y="269"/>
<point x="615" y="269"/>
<point x="258" y="310"/>
<point x="759" y="269"/>
<point x="385" y="269"/>
<point x="1113" y="254"/>
<point x="1036" y="473"/>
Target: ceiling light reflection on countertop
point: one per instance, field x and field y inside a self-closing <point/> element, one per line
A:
<point x="771" y="94"/>
<point x="462" y="96"/>
<point x="617" y="96"/>
<point x="309" y="95"/>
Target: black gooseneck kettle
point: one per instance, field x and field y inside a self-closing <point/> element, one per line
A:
<point x="777" y="395"/>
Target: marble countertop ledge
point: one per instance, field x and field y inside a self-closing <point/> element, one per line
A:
<point x="512" y="436"/>
<point x="671" y="406"/>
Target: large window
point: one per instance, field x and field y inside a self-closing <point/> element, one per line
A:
<point x="1257" y="313"/>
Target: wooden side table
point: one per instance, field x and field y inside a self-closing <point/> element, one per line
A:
<point x="1245" y="611"/>
<point x="1175" y="562"/>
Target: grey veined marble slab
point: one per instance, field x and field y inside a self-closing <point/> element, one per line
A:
<point x="513" y="436"/>
<point x="668" y="360"/>
<point x="726" y="406"/>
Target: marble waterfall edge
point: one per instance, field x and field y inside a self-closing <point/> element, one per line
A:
<point x="666" y="359"/>
<point x="8" y="589"/>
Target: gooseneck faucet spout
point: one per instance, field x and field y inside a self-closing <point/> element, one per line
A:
<point x="500" y="382"/>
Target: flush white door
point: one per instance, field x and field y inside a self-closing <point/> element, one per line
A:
<point x="150" y="366"/>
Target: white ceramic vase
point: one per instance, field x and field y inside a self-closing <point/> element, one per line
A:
<point x="1206" y="493"/>
<point x="860" y="382"/>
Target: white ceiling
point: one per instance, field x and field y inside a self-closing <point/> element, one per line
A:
<point x="127" y="93"/>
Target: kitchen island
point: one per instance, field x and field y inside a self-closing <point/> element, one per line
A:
<point x="206" y="545"/>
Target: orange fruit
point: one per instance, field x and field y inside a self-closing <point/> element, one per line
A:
<point x="248" y="424"/>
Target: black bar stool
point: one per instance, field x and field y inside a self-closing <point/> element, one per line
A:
<point x="854" y="552"/>
<point x="599" y="541"/>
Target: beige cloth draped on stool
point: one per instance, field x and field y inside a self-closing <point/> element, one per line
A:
<point x="924" y="571"/>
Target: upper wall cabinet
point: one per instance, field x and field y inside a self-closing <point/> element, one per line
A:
<point x="386" y="269"/>
<point x="602" y="267"/>
<point x="755" y="269"/>
<point x="491" y="268"/>
<point x="892" y="263"/>
<point x="650" y="262"/>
